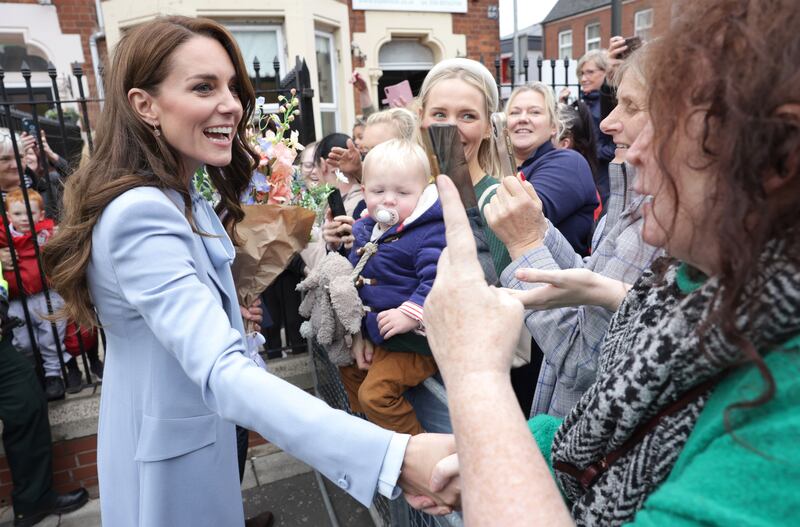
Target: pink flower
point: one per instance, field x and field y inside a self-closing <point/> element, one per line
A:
<point x="280" y="194"/>
<point x="282" y="153"/>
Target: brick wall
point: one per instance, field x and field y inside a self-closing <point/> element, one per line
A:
<point x="483" y="33"/>
<point x="75" y="465"/>
<point x="578" y="23"/>
<point x="79" y="17"/>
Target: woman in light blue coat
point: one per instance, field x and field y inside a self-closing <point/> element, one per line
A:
<point x="152" y="260"/>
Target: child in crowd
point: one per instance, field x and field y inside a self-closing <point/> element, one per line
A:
<point x="406" y="227"/>
<point x="22" y="238"/>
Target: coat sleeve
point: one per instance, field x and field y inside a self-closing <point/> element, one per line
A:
<point x="149" y="244"/>
<point x="559" y="199"/>
<point x="427" y="257"/>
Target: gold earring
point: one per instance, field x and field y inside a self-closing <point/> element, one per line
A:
<point x="156" y="131"/>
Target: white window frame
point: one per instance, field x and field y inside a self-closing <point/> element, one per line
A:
<point x="639" y="29"/>
<point x="254" y="28"/>
<point x="593" y="42"/>
<point x="562" y="46"/>
<point x="330" y="107"/>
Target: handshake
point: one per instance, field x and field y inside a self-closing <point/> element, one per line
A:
<point x="429" y="475"/>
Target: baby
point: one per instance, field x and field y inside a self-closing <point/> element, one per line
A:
<point x="406" y="226"/>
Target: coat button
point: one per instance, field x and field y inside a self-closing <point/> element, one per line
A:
<point x="360" y="281"/>
<point x="343" y="483"/>
<point x="359" y="251"/>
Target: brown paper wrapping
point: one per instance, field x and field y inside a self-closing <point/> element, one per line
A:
<point x="269" y="235"/>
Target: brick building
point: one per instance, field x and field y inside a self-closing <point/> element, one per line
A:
<point x="395" y="41"/>
<point x="386" y="41"/>
<point x="574" y="27"/>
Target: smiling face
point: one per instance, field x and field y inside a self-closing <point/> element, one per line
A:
<point x="591" y="77"/>
<point x="454" y="101"/>
<point x="309" y="170"/>
<point x="626" y="121"/>
<point x="681" y="215"/>
<point x="197" y="105"/>
<point x="529" y="123"/>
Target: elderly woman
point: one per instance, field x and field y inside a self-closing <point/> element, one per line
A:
<point x="570" y="336"/>
<point x="693" y="417"/>
<point x="592" y="69"/>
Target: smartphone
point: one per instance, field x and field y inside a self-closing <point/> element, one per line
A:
<point x="336" y="204"/>
<point x="633" y="44"/>
<point x="502" y="141"/>
<point x="446" y="154"/>
<point x="29" y="126"/>
<point x="396" y="91"/>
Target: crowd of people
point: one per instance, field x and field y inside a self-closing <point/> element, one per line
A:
<point x="616" y="322"/>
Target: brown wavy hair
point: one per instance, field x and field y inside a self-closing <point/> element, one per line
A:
<point x="736" y="62"/>
<point x="128" y="155"/>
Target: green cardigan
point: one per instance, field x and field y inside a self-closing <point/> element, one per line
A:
<point x="499" y="253"/>
<point x="748" y="477"/>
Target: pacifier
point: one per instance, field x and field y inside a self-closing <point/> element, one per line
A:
<point x="386" y="216"/>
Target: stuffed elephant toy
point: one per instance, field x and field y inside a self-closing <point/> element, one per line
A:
<point x="332" y="306"/>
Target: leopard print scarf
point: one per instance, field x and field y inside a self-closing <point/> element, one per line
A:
<point x="649" y="359"/>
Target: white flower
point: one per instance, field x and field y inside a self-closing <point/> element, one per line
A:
<point x="341" y="177"/>
<point x="293" y="138"/>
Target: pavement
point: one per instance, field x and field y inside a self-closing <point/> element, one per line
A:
<point x="295" y="501"/>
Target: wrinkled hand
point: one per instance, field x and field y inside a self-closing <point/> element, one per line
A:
<point x="253" y="315"/>
<point x="516" y="217"/>
<point x="394" y="322"/>
<point x="424" y="451"/>
<point x="361" y="351"/>
<point x="563" y="95"/>
<point x="569" y="288"/>
<point x="446" y="472"/>
<point x="338" y="230"/>
<point x="347" y="160"/>
<point x="464" y="317"/>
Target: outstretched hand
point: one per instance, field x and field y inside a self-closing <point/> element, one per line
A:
<point x="348" y="160"/>
<point x="569" y="288"/>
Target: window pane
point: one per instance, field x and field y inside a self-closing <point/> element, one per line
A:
<point x="325" y="69"/>
<point x="261" y="43"/>
<point x="328" y="122"/>
<point x="592" y="31"/>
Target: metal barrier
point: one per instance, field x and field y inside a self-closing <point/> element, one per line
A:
<point x="66" y="121"/>
<point x="386" y="513"/>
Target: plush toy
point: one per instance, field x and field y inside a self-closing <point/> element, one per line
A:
<point x="332" y="306"/>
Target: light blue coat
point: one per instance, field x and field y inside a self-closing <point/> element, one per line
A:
<point x="176" y="379"/>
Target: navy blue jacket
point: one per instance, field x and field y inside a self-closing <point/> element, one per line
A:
<point x="563" y="180"/>
<point x="605" y="146"/>
<point x="404" y="266"/>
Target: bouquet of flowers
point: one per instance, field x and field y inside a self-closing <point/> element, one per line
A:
<point x="279" y="209"/>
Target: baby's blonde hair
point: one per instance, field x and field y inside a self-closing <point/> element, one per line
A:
<point x="404" y="123"/>
<point x="396" y="154"/>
